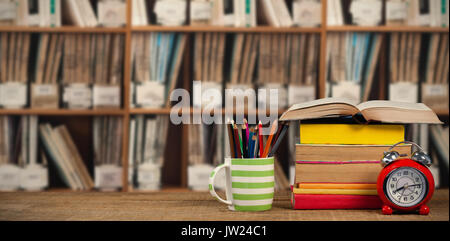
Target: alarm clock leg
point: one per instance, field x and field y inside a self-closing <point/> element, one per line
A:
<point x="424" y="210"/>
<point x="386" y="210"/>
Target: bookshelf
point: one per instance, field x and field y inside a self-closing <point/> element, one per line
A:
<point x="178" y="136"/>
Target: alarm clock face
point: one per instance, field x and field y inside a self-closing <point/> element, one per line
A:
<point x="406" y="186"/>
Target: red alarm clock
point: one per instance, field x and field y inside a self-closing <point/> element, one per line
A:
<point x="405" y="185"/>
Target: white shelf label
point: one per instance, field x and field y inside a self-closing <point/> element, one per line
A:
<point x="150" y="94"/>
<point x="9" y="177"/>
<point x="34" y="177"/>
<point x="200" y="10"/>
<point x="44" y="90"/>
<point x="300" y="94"/>
<point x="395" y="10"/>
<point x="198" y="177"/>
<point x="348" y="90"/>
<point x="13" y="95"/>
<point x="149" y="176"/>
<point x="404" y="92"/>
<point x="108" y="177"/>
<point x="78" y="96"/>
<point x="106" y="96"/>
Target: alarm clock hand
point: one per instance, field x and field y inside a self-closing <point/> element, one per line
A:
<point x="407" y="186"/>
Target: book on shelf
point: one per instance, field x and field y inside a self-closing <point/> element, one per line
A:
<point x="65" y="156"/>
<point x="56" y="13"/>
<point x="440" y="139"/>
<point x="307" y="13"/>
<point x="111" y="13"/>
<point x="209" y="53"/>
<point x="156" y="64"/>
<point x="283" y="59"/>
<point x="395" y="12"/>
<point x="405" y="57"/>
<point x="107" y="140"/>
<point x="43" y="13"/>
<point x="437" y="59"/>
<point x="147" y="145"/>
<point x="166" y="12"/>
<point x="352" y="59"/>
<point x="366" y="12"/>
<point x="417" y="13"/>
<point x="274" y="13"/>
<point x="14" y="52"/>
<point x="378" y="110"/>
<point x="160" y="12"/>
<point x="19" y="140"/>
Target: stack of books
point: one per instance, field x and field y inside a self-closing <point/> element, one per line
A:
<point x="341" y="162"/>
<point x="338" y="160"/>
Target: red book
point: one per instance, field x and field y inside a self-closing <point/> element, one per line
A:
<point x="308" y="201"/>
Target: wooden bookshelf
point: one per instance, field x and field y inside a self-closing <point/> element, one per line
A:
<point x="63" y="112"/>
<point x="194" y="29"/>
<point x="186" y="73"/>
<point x="386" y="29"/>
<point x="63" y="29"/>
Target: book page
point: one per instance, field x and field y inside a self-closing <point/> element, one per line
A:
<point x="392" y="104"/>
<point x="325" y="101"/>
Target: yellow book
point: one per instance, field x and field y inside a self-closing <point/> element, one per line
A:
<point x="351" y="134"/>
<point x="365" y="192"/>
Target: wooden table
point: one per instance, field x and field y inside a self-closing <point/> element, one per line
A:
<point x="180" y="205"/>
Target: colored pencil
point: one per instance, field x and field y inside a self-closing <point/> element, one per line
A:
<point x="247" y="132"/>
<point x="254" y="140"/>
<point x="244" y="141"/>
<point x="237" y="142"/>
<point x="261" y="141"/>
<point x="275" y="137"/>
<point x="231" y="139"/>
<point x="250" y="145"/>
<point x="279" y="140"/>
<point x="269" y="140"/>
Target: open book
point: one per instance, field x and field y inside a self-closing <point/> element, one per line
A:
<point x="378" y="110"/>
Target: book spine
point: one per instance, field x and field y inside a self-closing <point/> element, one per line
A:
<point x="308" y="202"/>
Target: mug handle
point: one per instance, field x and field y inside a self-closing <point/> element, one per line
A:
<point x="211" y="184"/>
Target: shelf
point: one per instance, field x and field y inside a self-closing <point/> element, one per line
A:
<point x="64" y="29"/>
<point x="62" y="112"/>
<point x="351" y="28"/>
<point x="260" y="29"/>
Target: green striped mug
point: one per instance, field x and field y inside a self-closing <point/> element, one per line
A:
<point x="249" y="184"/>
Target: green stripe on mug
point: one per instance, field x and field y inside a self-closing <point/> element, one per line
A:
<point x="237" y="173"/>
<point x="252" y="185"/>
<point x="252" y="162"/>
<point x="252" y="196"/>
<point x="253" y="208"/>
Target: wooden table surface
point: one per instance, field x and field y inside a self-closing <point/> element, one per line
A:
<point x="181" y="205"/>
